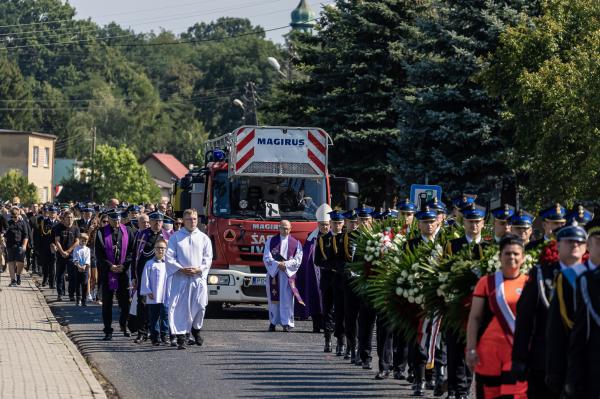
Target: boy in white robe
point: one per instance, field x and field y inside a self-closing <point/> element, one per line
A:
<point x="282" y="258"/>
<point x="153" y="287"/>
<point x="189" y="256"/>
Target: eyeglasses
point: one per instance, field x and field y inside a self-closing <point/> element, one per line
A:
<point x="161" y="248"/>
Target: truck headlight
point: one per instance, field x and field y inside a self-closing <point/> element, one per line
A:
<point x="220" y="279"/>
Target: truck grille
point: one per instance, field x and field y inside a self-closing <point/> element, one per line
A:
<point x="257" y="291"/>
<point x="283" y="168"/>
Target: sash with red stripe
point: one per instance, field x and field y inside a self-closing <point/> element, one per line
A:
<point x="499" y="306"/>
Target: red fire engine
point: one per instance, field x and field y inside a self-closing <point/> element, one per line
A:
<point x="253" y="178"/>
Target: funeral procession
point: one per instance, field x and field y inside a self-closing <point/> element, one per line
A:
<point x="299" y="199"/>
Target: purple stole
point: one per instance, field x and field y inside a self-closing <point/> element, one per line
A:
<point x="275" y="249"/>
<point x="499" y="306"/>
<point x="113" y="280"/>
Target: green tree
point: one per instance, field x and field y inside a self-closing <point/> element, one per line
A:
<point x="350" y="73"/>
<point x="75" y="190"/>
<point x="14" y="184"/>
<point x="226" y="66"/>
<point x="117" y="174"/>
<point x="546" y="73"/>
<point x="451" y="131"/>
<point x="15" y="95"/>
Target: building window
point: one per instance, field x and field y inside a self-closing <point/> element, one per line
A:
<point x="45" y="193"/>
<point x="46" y="157"/>
<point x="36" y="156"/>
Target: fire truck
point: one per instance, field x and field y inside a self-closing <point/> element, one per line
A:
<point x="253" y="178"/>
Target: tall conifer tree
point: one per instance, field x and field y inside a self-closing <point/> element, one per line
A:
<point x="450" y="129"/>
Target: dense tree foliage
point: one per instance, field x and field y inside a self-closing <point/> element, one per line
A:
<point x="471" y="95"/>
<point x="14" y="184"/>
<point x="154" y="92"/>
<point x="547" y="74"/>
<point x="351" y="73"/>
<point x="117" y="174"/>
<point x="451" y="132"/>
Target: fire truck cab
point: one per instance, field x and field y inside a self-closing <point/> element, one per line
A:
<point x="253" y="178"/>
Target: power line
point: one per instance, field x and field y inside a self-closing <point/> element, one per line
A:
<point x="153" y="44"/>
<point x="101" y="16"/>
<point x="143" y="21"/>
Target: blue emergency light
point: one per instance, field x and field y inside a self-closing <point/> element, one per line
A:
<point x="218" y="155"/>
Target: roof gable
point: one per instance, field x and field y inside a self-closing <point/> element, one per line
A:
<point x="170" y="163"/>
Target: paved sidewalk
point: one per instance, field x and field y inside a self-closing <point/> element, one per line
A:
<point x="37" y="359"/>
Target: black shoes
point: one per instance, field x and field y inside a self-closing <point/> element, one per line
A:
<point x="198" y="340"/>
<point x="59" y="298"/>
<point x="352" y="356"/>
<point x="13" y="283"/>
<point x="382" y="375"/>
<point x="358" y="361"/>
<point x="399" y="375"/>
<point x="327" y="347"/>
<point x="107" y="337"/>
<point x="287" y="329"/>
<point x="18" y="279"/>
<point x="173" y="341"/>
<point x="138" y="339"/>
<point x="71" y="298"/>
<point x="429" y="385"/>
<point x="163" y="338"/>
<point x="181" y="341"/>
<point x="367" y="366"/>
<point x="340" y="348"/>
<point x="419" y="388"/>
<point x="271" y="328"/>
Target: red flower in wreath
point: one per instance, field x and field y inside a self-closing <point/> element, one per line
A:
<point x="549" y="254"/>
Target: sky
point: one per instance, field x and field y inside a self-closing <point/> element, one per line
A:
<point x="178" y="15"/>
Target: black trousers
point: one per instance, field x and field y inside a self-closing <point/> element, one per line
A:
<point x="31" y="261"/>
<point x="327" y="301"/>
<point x="65" y="265"/>
<point x="537" y="388"/>
<point x="400" y="353"/>
<point x="142" y="315"/>
<point x="367" y="319"/>
<point x="80" y="283"/>
<point x="48" y="263"/>
<point x="122" y="294"/>
<point x="338" y="305"/>
<point x="351" y="309"/>
<point x="459" y="375"/>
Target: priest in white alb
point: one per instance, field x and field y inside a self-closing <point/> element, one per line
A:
<point x="282" y="258"/>
<point x="189" y="256"/>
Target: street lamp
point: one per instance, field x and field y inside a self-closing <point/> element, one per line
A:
<point x="276" y="65"/>
<point x="239" y="103"/>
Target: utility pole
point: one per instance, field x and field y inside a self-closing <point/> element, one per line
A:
<point x="252" y="101"/>
<point x="93" y="131"/>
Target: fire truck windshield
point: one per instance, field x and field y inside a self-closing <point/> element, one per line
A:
<point x="248" y="197"/>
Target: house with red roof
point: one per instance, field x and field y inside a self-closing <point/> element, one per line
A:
<point x="164" y="168"/>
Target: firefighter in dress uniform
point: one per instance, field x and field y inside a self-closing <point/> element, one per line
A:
<point x="473" y="215"/>
<point x="582" y="380"/>
<point x="562" y="305"/>
<point x="529" y="347"/>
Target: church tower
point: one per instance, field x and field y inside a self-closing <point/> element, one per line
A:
<point x="303" y="17"/>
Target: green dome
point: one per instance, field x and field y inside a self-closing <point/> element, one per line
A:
<point x="303" y="16"/>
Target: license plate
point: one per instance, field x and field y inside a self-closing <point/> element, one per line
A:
<point x="259" y="281"/>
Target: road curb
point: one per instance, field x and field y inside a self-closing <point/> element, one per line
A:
<point x="84" y="367"/>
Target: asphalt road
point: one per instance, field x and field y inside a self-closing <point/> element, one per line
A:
<point x="239" y="359"/>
